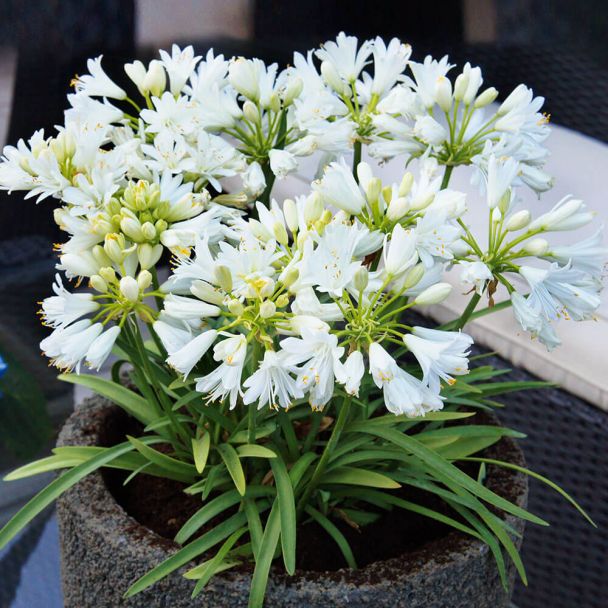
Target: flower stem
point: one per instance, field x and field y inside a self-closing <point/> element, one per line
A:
<point x="329" y="447"/>
<point x="356" y="158"/>
<point x="468" y="311"/>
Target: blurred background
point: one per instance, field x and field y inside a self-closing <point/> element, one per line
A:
<point x="558" y="47"/>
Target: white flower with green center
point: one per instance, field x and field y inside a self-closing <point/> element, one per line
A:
<point x="272" y="383"/>
<point x="403" y="394"/>
<point x="339" y="188"/>
<point x="318" y="355"/>
<point x="344" y="56"/>
<point x="441" y="354"/>
<point x="65" y="307"/>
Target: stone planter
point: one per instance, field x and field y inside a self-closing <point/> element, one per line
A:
<point x="104" y="550"/>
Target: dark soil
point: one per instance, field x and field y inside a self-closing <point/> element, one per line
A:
<point x="160" y="505"/>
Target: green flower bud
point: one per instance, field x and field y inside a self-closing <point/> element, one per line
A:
<point x="236" y="307"/>
<point x="114" y="245"/>
<point x="107" y="274"/>
<point x="223" y="277"/>
<point x="313" y="208"/>
<point x="280" y="233"/>
<point x="267" y="309"/>
<point x="148" y="255"/>
<point x="251" y="112"/>
<point x="282" y="300"/>
<point x="98" y="284"/>
<point x="407" y="181"/>
<point x="148" y="231"/>
<point x="361" y="279"/>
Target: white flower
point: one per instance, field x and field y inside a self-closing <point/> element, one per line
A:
<point x="441" y="354"/>
<point x="101" y="347"/>
<point x="175" y="115"/>
<point x="282" y="162"/>
<point x="65" y="307"/>
<point x="475" y="273"/>
<point x="389" y="63"/>
<point x="430" y="131"/>
<point x="81" y="264"/>
<point x="173" y="334"/>
<point x="427" y="75"/>
<point x="246" y="75"/>
<point x="403" y="394"/>
<point x="561" y="292"/>
<point x="67" y="347"/>
<point x="129" y="289"/>
<point x="319" y="354"/>
<point x="179" y="65"/>
<point x="225" y="380"/>
<point x="588" y="255"/>
<point x="272" y="383"/>
<point x="399" y="254"/>
<point x="344" y="56"/>
<point x="501" y="174"/>
<point x="568" y="214"/>
<point x="184" y="359"/>
<point x="351" y="372"/>
<point x="339" y="188"/>
<point x="331" y="266"/>
<point x="306" y="304"/>
<point x="186" y="309"/>
<point x="532" y="320"/>
<point x="254" y="181"/>
<point x="97" y="82"/>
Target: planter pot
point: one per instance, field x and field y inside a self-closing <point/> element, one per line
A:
<point x="104" y="550"/>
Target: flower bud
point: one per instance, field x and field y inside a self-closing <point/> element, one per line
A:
<point x="434" y="294"/>
<point x="518" y="220"/>
<point x="274" y="103"/>
<point x="236" y="307"/>
<point x="156" y="79"/>
<point x="223" y="277"/>
<point x="496" y="215"/>
<point x="397" y="209"/>
<point x="282" y="300"/>
<point x="313" y="208"/>
<point x="114" y="245"/>
<point x="107" y="274"/>
<point x="290" y="211"/>
<point x="129" y="289"/>
<point x="443" y="93"/>
<point x="259" y="230"/>
<point x="414" y="276"/>
<point x="291" y="276"/>
<point x="267" y="288"/>
<point x="407" y="181"/>
<point x="100" y="256"/>
<point x="98" y="284"/>
<point x="148" y="255"/>
<point x="243" y="76"/>
<point x="422" y="202"/>
<point x="361" y="279"/>
<point x="136" y="71"/>
<point x="267" y="309"/>
<point x="332" y="78"/>
<point x="486" y="98"/>
<point x="148" y="231"/>
<point x="536" y="247"/>
<point x="132" y="228"/>
<point x="207" y="293"/>
<point x="373" y="189"/>
<point x="280" y="233"/>
<point x="460" y="86"/>
<point x="293" y="90"/>
<point x="251" y="112"/>
<point x="144" y="279"/>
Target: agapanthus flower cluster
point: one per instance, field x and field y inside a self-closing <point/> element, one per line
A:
<point x="287" y="300"/>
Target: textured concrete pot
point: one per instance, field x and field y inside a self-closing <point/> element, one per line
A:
<point x="103" y="550"/>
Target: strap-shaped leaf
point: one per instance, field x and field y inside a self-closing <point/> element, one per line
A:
<point x="200" y="451"/>
<point x="234" y="466"/>
<point x="265" y="556"/>
<point x="47" y="495"/>
<point x="359" y="477"/>
<point x="447" y="469"/>
<point x="214" y="564"/>
<point x="335" y="533"/>
<point x="252" y="450"/>
<point x="134" y="404"/>
<point x="177" y="467"/>
<point x="287" y="507"/>
<point x="187" y="553"/>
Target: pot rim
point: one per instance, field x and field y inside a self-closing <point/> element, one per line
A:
<point x="83" y="428"/>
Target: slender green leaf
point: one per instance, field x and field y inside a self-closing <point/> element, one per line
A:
<point x="252" y="450"/>
<point x="268" y="546"/>
<point x="214" y="564"/>
<point x="254" y="523"/>
<point x="200" y="451"/>
<point x="300" y="467"/>
<point x="551" y="484"/>
<point x="444" y="467"/>
<point x="263" y="430"/>
<point x="43" y="465"/>
<point x="234" y="466"/>
<point x="187" y="553"/>
<point x="335" y="533"/>
<point x="287" y="507"/>
<point x="187" y="398"/>
<point x="163" y="421"/>
<point x="47" y="495"/>
<point x="131" y="402"/>
<point x="173" y="465"/>
<point x="359" y="477"/>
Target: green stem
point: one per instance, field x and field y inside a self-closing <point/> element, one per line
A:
<point x="323" y="461"/>
<point x="256" y="357"/>
<point x="446" y="176"/>
<point x="468" y="311"/>
<point x="477" y="314"/>
<point x="356" y="158"/>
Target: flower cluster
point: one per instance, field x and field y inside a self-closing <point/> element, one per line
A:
<point x="304" y="289"/>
